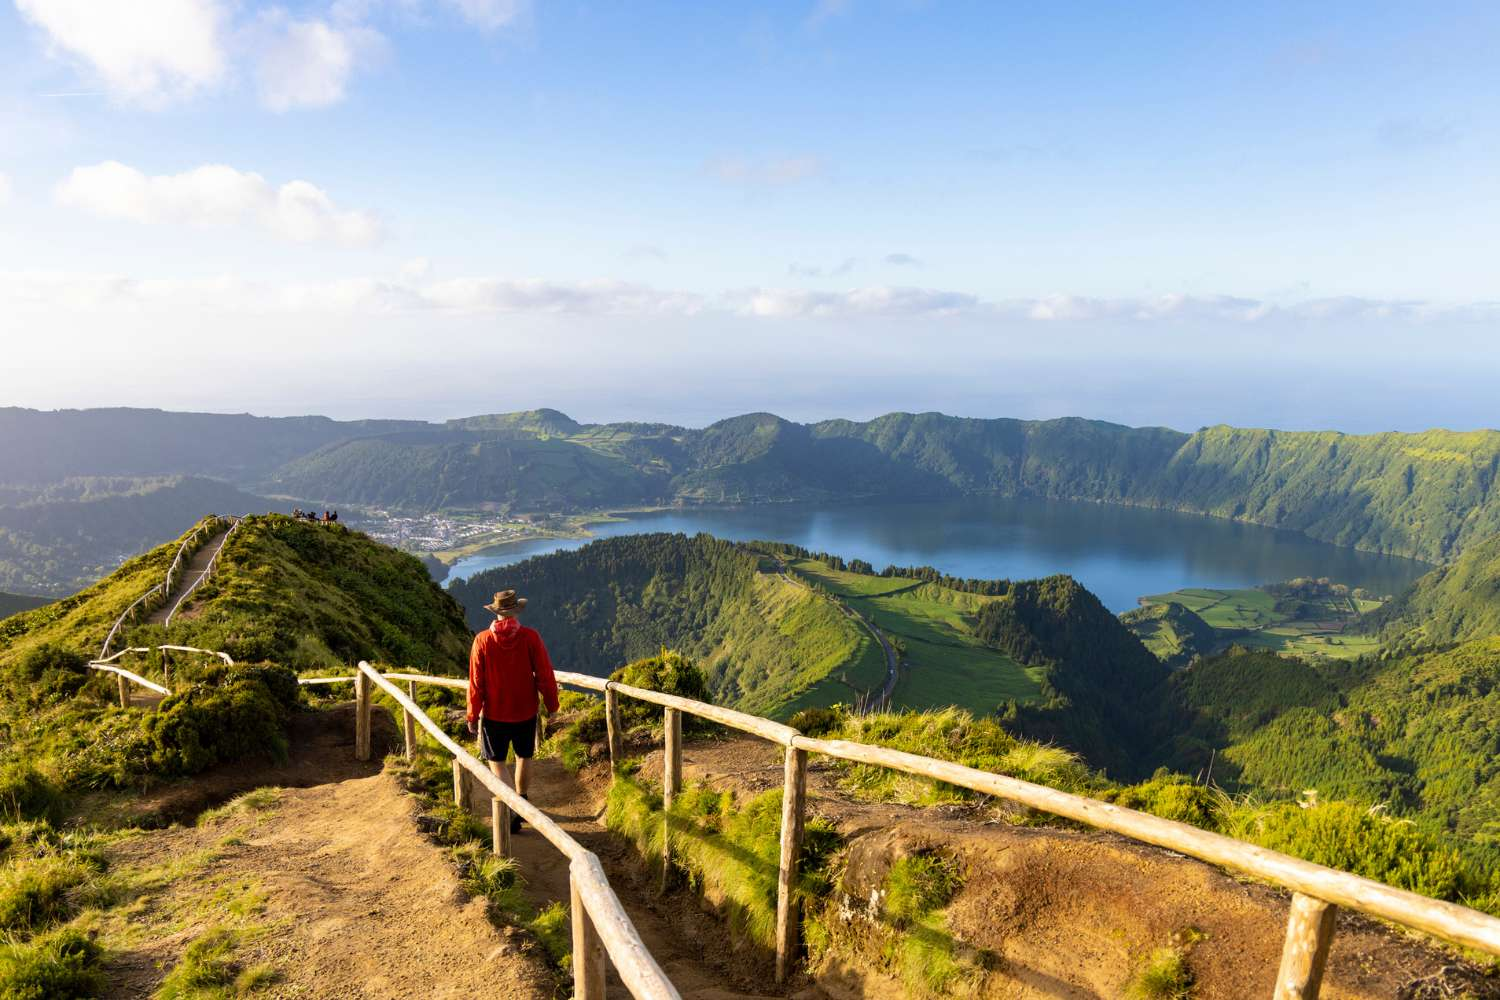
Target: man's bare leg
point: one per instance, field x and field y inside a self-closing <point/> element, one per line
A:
<point x="497" y="768"/>
<point x="523" y="774"/>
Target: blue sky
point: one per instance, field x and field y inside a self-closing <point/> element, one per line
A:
<point x="1282" y="215"/>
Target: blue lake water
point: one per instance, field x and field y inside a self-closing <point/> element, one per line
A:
<point x="1120" y="553"/>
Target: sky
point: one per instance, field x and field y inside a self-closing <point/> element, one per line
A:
<point x="1281" y="214"/>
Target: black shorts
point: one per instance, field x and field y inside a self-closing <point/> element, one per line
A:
<point x="495" y="738"/>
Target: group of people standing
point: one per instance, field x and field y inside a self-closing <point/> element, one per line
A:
<point x="329" y="516"/>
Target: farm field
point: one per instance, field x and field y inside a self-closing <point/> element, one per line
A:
<point x="942" y="661"/>
<point x="1250" y="617"/>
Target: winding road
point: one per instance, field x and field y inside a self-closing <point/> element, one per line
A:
<point x="892" y="658"/>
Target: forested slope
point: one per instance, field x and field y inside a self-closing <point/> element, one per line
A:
<point x="75" y="532"/>
<point x="1426" y="495"/>
<point x="1451" y="604"/>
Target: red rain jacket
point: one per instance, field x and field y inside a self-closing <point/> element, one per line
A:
<point x="508" y="669"/>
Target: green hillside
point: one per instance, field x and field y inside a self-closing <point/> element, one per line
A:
<point x="778" y="628"/>
<point x="767" y="644"/>
<point x="1171" y="631"/>
<point x="72" y="533"/>
<point x="1305" y="616"/>
<point x="1426" y="495"/>
<point x="1417" y="734"/>
<point x="300" y="594"/>
<point x="1453" y="603"/>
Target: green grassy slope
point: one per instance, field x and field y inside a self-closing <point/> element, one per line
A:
<point x="1451" y="604"/>
<point x="1173" y="632"/>
<point x="1253" y="617"/>
<point x="767" y="645"/>
<point x="943" y="661"/>
<point x="300" y="594"/>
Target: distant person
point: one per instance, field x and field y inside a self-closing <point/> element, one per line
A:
<point x="334" y="517"/>
<point x="297" y="513"/>
<point x="508" y="669"/>
<point x="325" y="517"/>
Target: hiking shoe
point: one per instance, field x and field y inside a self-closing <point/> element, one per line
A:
<point x="515" y="818"/>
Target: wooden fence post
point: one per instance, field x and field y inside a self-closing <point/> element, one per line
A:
<point x="613" y="729"/>
<point x="499" y="826"/>
<point x="461" y="784"/>
<point x="671" y="784"/>
<point x="588" y="948"/>
<point x="166" y="669"/>
<point x="409" y="724"/>
<point x="1309" y="931"/>
<point x="793" y="804"/>
<point x="124" y="689"/>
<point x="361" y="716"/>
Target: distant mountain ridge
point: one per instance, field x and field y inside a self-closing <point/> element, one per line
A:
<point x="1426" y="495"/>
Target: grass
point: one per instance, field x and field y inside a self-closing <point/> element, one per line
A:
<point x="257" y="801"/>
<point x="943" y="662"/>
<point x="208" y="970"/>
<point x="728" y="850"/>
<point x="1249" y="617"/>
<point x="65" y="963"/>
<point x="1163" y="975"/>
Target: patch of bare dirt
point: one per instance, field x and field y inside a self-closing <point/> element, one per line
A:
<point x="353" y="902"/>
<point x="1070" y="914"/>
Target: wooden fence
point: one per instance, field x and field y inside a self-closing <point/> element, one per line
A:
<point x="148" y="602"/>
<point x="601" y="927"/>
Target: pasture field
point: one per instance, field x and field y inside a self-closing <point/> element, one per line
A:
<point x="1249" y="618"/>
<point x="943" y="662"/>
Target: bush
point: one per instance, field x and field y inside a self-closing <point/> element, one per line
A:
<point x="818" y="721"/>
<point x="237" y="712"/>
<point x="1171" y="796"/>
<point x="47" y="674"/>
<point x="1349" y="837"/>
<point x="25" y="793"/>
<point x="34" y="892"/>
<point x="1164" y="975"/>
<point x="668" y="672"/>
<point x="63" y="964"/>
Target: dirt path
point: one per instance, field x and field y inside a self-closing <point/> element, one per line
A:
<point x="691" y="946"/>
<point x="332" y="885"/>
<point x="191" y="574"/>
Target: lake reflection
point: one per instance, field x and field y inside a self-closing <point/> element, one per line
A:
<point x="1120" y="553"/>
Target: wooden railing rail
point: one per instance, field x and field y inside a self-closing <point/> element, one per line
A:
<point x="1316" y="890"/>
<point x="208" y="571"/>
<point x="600" y="925"/>
<point x="185" y="552"/>
<point x="126" y="678"/>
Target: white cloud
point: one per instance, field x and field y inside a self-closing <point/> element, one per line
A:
<point x="414" y="291"/>
<point x="901" y="260"/>
<point x="307" y="64"/>
<point x="216" y="195"/>
<point x="490" y="14"/>
<point x="141" y="50"/>
<point x="878" y="300"/>
<point x="5" y="191"/>
<point x="774" y="172"/>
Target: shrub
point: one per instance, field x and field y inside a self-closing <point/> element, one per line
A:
<point x="669" y="672"/>
<point x="47" y="673"/>
<point x="1171" y="796"/>
<point x="239" y="712"/>
<point x="34" y="892"/>
<point x="918" y="884"/>
<point x="63" y="964"/>
<point x="818" y="721"/>
<point x="25" y="793"/>
<point x="1363" y="841"/>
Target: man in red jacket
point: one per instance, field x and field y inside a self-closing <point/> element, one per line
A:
<point x="508" y="669"/>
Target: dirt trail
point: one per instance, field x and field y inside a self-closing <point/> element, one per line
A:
<point x="352" y="900"/>
<point x="191" y="574"/>
<point x="691" y="946"/>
